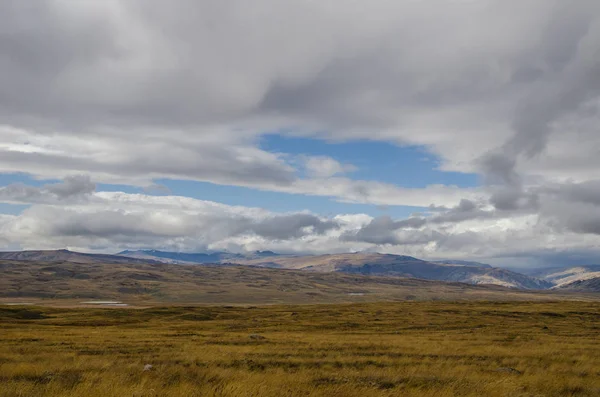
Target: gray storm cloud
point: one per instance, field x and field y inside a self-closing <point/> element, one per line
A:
<point x="137" y="91"/>
<point x="73" y="187"/>
<point x="567" y="78"/>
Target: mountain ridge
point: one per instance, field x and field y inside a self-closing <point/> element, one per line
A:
<point x="403" y="266"/>
<point x="189" y="258"/>
<point x="67" y="256"/>
<point x="363" y="263"/>
<point x="151" y="284"/>
<point x="566" y="277"/>
<point x="583" y="285"/>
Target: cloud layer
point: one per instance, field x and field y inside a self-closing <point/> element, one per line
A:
<point x="80" y="218"/>
<point x="131" y="92"/>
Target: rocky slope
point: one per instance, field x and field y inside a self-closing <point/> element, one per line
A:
<point x="403" y="266"/>
<point x="587" y="285"/>
<point x="566" y="275"/>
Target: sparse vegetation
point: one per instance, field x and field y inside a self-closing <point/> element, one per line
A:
<point x="366" y="349"/>
<point x="151" y="284"/>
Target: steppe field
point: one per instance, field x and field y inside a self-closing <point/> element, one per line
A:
<point x="361" y="349"/>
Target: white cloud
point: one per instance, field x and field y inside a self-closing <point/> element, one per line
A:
<point x="111" y="221"/>
<point x="130" y="92"/>
<point x="325" y="167"/>
<point x="451" y="76"/>
<point x="124" y="160"/>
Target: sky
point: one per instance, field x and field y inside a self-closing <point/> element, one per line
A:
<point x="451" y="129"/>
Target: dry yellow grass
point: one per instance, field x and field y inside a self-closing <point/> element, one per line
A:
<point x="370" y="349"/>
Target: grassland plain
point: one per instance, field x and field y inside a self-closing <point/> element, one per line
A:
<point x="362" y="349"/>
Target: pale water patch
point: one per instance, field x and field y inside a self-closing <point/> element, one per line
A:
<point x="105" y="303"/>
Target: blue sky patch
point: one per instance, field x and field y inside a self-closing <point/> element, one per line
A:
<point x="406" y="166"/>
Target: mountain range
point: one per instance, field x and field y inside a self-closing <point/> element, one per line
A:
<point x="194" y="258"/>
<point x="375" y="264"/>
<point x="451" y="270"/>
<point x="64" y="255"/>
<point x="574" y="277"/>
<point x="580" y="278"/>
<point x="76" y="284"/>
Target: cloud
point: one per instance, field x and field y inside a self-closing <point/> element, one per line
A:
<point x="284" y="227"/>
<point x="136" y="159"/>
<point x="378" y="193"/>
<point x="74" y="187"/>
<point x="464" y="211"/>
<point x="19" y="192"/>
<point x="584" y="192"/>
<point x="576" y="81"/>
<point x="124" y="160"/>
<point x="112" y="221"/>
<point x="382" y="231"/>
<point x="325" y="167"/>
<point x="143" y="76"/>
<point x="132" y="92"/>
<point x="117" y="219"/>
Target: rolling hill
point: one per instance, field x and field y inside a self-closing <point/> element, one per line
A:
<point x="151" y="284"/>
<point x="360" y="263"/>
<point x="403" y="266"/>
<point x="583" y="285"/>
<point x="198" y="258"/>
<point x="180" y="257"/>
<point x="373" y="264"/>
<point x="563" y="276"/>
<point x="68" y="256"/>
